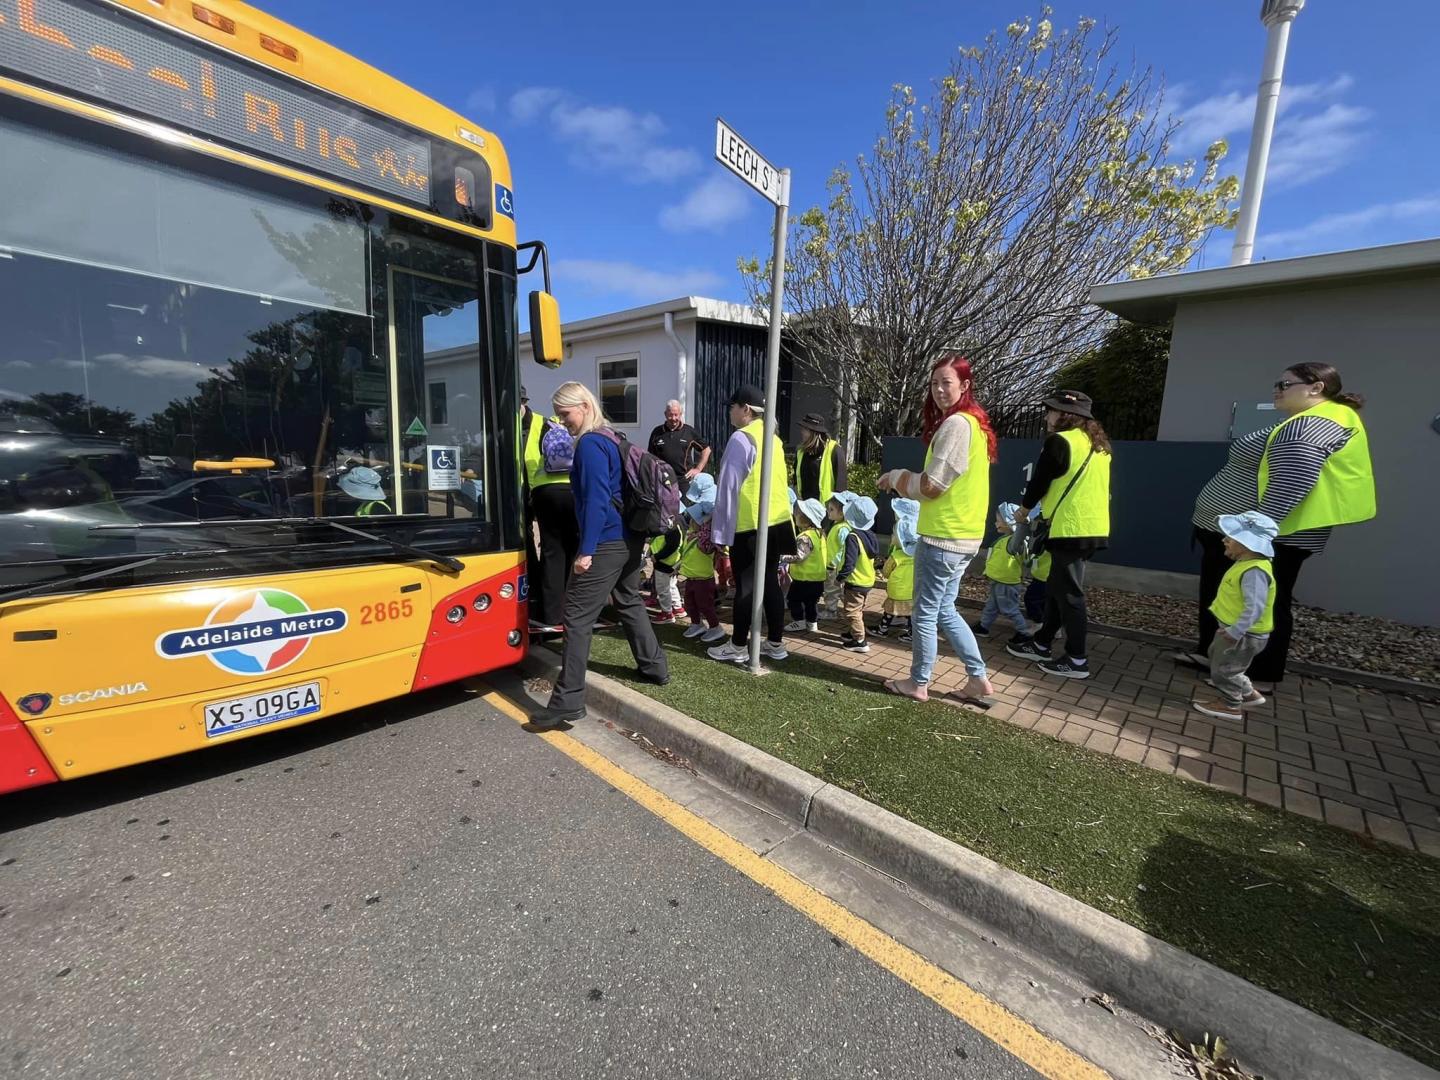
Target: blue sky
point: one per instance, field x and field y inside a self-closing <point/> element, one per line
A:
<point x="608" y="113"/>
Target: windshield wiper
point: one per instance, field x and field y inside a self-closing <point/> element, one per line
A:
<point x="96" y="575"/>
<point x="443" y="562"/>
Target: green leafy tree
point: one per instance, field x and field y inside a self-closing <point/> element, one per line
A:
<point x="1036" y="168"/>
<point x="1125" y="375"/>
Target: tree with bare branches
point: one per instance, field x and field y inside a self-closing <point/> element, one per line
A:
<point x="1037" y="168"/>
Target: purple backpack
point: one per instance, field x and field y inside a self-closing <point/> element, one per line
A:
<point x="650" y="493"/>
<point x="557" y="448"/>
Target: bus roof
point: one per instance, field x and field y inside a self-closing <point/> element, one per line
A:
<point x="242" y="28"/>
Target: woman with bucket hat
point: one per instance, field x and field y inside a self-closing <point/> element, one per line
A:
<point x="819" y="463"/>
<point x="1071" y="485"/>
<point x="737" y="522"/>
<point x="954" y="495"/>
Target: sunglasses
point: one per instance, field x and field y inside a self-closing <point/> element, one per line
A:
<point x="1284" y="384"/>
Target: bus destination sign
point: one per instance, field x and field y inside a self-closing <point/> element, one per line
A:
<point x="99" y="53"/>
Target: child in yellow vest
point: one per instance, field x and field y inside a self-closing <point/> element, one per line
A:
<point x="900" y="569"/>
<point x="665" y="554"/>
<point x="1004" y="569"/>
<point x="856" y="573"/>
<point x="807" y="567"/>
<point x="1245" y="610"/>
<point x="834" y="530"/>
<point x="697" y="566"/>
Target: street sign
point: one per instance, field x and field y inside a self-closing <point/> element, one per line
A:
<point x="742" y="159"/>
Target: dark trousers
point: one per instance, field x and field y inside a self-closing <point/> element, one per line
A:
<point x="1065" y="602"/>
<point x="553" y="507"/>
<point x="805" y="600"/>
<point x="1035" y="600"/>
<point x="532" y="566"/>
<point x="742" y="561"/>
<point x="614" y="575"/>
<point x="1269" y="666"/>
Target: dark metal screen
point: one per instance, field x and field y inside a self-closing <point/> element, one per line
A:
<point x="728" y="356"/>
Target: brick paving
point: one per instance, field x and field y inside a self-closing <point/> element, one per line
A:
<point x="1360" y="759"/>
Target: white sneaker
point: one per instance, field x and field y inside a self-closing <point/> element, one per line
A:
<point x="813" y="627"/>
<point x="797" y="626"/>
<point x="714" y="634"/>
<point x="694" y="630"/>
<point x="773" y="650"/>
<point x="728" y="653"/>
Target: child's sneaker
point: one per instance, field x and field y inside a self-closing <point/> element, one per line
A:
<point x="796" y="626"/>
<point x="1029" y="650"/>
<point x="1066" y="668"/>
<point x="904" y="636"/>
<point x="1252" y="700"/>
<point x="679" y="613"/>
<point x="980" y="630"/>
<point x="694" y="630"/>
<point x="662" y="618"/>
<point x="856" y="646"/>
<point x="880" y="631"/>
<point x="1220" y="710"/>
<point x="713" y="635"/>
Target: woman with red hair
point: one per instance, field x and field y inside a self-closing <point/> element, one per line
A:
<point x="954" y="495"/>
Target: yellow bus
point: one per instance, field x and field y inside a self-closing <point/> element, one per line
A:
<point x="259" y="392"/>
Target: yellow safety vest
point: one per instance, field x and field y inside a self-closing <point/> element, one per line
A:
<point x="367" y="509"/>
<point x="1000" y="565"/>
<point x="1040" y="571"/>
<point x="812" y="567"/>
<point x="900" y="582"/>
<point x="1086" y="510"/>
<point x="535" y="460"/>
<point x="863" y="576"/>
<point x="1230" y="601"/>
<point x="960" y="513"/>
<point x="749" y="511"/>
<point x="696" y="565"/>
<point x="827" y="469"/>
<point x="1344" y="493"/>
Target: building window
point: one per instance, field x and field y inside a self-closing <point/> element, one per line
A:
<point x="620" y="390"/>
<point x="439" y="408"/>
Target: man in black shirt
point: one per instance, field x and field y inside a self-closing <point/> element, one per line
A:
<point x="679" y="445"/>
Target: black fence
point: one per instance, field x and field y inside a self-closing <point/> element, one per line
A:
<point x="1123" y="423"/>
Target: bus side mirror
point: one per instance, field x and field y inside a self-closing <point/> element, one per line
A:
<point x="545" y="329"/>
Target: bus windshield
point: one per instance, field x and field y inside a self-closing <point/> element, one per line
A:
<point x="185" y="354"/>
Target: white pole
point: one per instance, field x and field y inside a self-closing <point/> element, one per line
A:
<point x="772" y="392"/>
<point x="1277" y="16"/>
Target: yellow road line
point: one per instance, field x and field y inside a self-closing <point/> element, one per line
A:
<point x="994" y="1021"/>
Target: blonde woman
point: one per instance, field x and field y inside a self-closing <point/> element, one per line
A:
<point x="608" y="563"/>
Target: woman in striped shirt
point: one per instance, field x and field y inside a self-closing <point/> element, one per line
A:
<point x="1295" y="457"/>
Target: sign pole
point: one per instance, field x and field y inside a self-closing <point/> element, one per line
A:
<point x="772" y="391"/>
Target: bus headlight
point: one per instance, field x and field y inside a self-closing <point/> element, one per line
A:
<point x="507" y="591"/>
<point x="456" y="614"/>
<point x="482" y="602"/>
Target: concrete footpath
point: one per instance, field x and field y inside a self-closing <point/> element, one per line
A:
<point x="1165" y="985"/>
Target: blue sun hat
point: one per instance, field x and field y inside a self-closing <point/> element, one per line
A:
<point x="907" y="524"/>
<point x="362" y="483"/>
<point x="1007" y="512"/>
<point x="844" y="498"/>
<point x="701" y="489"/>
<point x="699" y="511"/>
<point x="860" y="513"/>
<point x="813" y="510"/>
<point x="1253" y="529"/>
<point x="793" y="499"/>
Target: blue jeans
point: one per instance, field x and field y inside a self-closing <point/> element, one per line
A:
<point x="937" y="583"/>
<point x="1004" y="600"/>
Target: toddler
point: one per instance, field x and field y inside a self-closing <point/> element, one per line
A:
<point x="1245" y="609"/>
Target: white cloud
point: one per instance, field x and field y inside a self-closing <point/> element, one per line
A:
<point x="717" y="202"/>
<point x="1355" y="227"/>
<point x="483" y="100"/>
<point x="1315" y="134"/>
<point x="19" y="365"/>
<point x="150" y="367"/>
<point x="637" y="282"/>
<point x="605" y="137"/>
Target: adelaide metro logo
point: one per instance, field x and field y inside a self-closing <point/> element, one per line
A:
<point x="255" y="632"/>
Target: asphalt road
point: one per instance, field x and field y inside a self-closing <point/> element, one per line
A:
<point x="421" y="890"/>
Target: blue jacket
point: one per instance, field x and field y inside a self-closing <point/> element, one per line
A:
<point x="595" y="479"/>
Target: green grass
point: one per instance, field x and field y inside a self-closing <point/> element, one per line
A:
<point x="1326" y="918"/>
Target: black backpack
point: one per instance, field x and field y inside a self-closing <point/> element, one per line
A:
<point x="650" y="492"/>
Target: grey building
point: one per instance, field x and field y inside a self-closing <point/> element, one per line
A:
<point x="1375" y="314"/>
